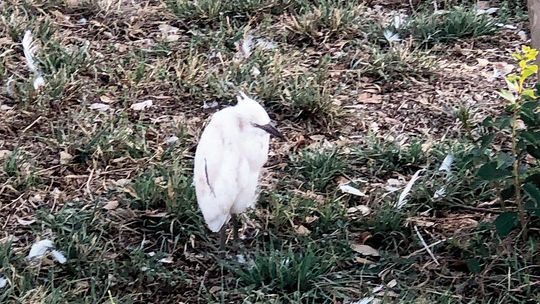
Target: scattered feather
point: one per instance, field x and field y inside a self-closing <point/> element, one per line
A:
<point x="523" y="36"/>
<point x="265" y="44"/>
<point x="210" y="105"/>
<point x="439" y="193"/>
<point x="488" y="11"/>
<point x="167" y="260"/>
<point x="255" y="71"/>
<point x="171" y="140"/>
<point x="58" y="256"/>
<point x="351" y="190"/>
<point x="402" y="197"/>
<point x="29" y="49"/>
<point x="447" y="163"/>
<point x="10" y="86"/>
<point x="240" y="258"/>
<point x="99" y="106"/>
<point x="143" y="105"/>
<point x="506" y="26"/>
<point x="366" y="300"/>
<point x="398" y="21"/>
<point x="3" y="282"/>
<point x="447" y="167"/>
<point x="391" y="36"/>
<point x="40" y="248"/>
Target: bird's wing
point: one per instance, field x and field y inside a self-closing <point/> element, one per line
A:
<point x="216" y="160"/>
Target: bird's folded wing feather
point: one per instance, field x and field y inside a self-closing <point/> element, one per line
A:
<point x="216" y="160"/>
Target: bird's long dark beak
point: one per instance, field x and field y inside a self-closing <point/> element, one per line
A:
<point x="271" y="130"/>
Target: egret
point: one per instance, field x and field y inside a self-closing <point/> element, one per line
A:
<point x="228" y="161"/>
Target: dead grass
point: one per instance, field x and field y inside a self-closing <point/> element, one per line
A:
<point x="109" y="181"/>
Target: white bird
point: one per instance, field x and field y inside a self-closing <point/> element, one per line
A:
<point x="230" y="155"/>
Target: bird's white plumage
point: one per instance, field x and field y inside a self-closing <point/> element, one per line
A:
<point x="229" y="157"/>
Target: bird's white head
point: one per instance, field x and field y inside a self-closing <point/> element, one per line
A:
<point x="253" y="116"/>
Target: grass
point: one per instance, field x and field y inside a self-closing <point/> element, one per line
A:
<point x="458" y="23"/>
<point x="115" y="195"/>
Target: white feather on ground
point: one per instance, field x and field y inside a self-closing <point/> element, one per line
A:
<point x="29" y="49"/>
<point x="447" y="167"/>
<point x="402" y="197"/>
<point x="3" y="282"/>
<point x="40" y="248"/>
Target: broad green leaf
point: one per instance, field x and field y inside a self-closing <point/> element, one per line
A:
<point x="486" y="140"/>
<point x="528" y="71"/>
<point x="533" y="204"/>
<point x="517" y="56"/>
<point x="527" y="114"/>
<point x="507" y="95"/>
<point x="474" y="265"/>
<point x="512" y="78"/>
<point x="529" y="93"/>
<point x="512" y="83"/>
<point x="508" y="192"/>
<point x="503" y="122"/>
<point x="534" y="179"/>
<point x="504" y="160"/>
<point x="531" y="137"/>
<point x="534" y="151"/>
<point x="532" y="207"/>
<point x="532" y="191"/>
<point x="529" y="53"/>
<point x="490" y="172"/>
<point x="505" y="222"/>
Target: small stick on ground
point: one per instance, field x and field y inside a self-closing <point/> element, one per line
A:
<point x="425" y="245"/>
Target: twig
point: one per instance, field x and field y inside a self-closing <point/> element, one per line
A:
<point x="430" y="246"/>
<point x="32" y="124"/>
<point x="425" y="245"/>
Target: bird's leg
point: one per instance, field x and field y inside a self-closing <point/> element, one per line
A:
<point x="222" y="237"/>
<point x="234" y="220"/>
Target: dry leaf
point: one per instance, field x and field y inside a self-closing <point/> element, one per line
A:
<point x="310" y="219"/>
<point x="122" y="182"/>
<point x="111" y="205"/>
<point x="65" y="158"/>
<point x="361" y="260"/>
<point x="4" y="154"/>
<point x="106" y="99"/>
<point x="365" y="210"/>
<point x="482" y="62"/>
<point x="301" y="230"/>
<point x="369" y="98"/>
<point x="365" y="250"/>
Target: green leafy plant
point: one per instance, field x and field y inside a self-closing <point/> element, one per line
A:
<point x="429" y="28"/>
<point x="318" y="168"/>
<point x="514" y="169"/>
<point x="286" y="270"/>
